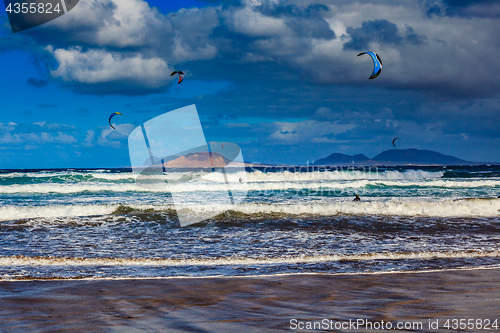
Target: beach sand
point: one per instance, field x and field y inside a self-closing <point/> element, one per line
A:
<point x="247" y="304"/>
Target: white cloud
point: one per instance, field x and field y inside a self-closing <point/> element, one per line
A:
<point x="112" y="137"/>
<point x="116" y="23"/>
<point x="37" y="138"/>
<point x="98" y="66"/>
<point x="89" y="139"/>
<point x="120" y="24"/>
<point x="251" y="23"/>
<point x="9" y="127"/>
<point x="36" y="133"/>
<point x="185" y="52"/>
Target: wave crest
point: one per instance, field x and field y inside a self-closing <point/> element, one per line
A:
<point x="424" y="208"/>
<point x="55" y="261"/>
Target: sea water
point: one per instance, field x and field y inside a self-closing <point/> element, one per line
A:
<point x="76" y="223"/>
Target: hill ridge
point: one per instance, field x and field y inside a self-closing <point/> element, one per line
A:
<point x="410" y="156"/>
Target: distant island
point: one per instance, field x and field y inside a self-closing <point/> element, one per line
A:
<point x="395" y="157"/>
<point x="191" y="161"/>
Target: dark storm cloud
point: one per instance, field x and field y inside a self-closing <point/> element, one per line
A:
<point x="381" y="31"/>
<point x="413" y="38"/>
<point x="478" y="118"/>
<point x="306" y="22"/>
<point x="464" y="8"/>
<point x="377" y="30"/>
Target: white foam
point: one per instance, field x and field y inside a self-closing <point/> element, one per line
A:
<point x="209" y="186"/>
<point x="68" y="188"/>
<point x="98" y="174"/>
<point x="255" y="176"/>
<point x="9" y="213"/>
<point x="342" y="206"/>
<point x="97" y="181"/>
<point x="475" y="183"/>
<point x="53" y="261"/>
<point x="406" y="207"/>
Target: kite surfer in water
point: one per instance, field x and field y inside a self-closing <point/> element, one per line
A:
<point x="357" y="198"/>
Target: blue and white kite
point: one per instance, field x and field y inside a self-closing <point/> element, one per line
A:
<point x="377" y="63"/>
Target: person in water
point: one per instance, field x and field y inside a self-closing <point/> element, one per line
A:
<point x="357" y="198"/>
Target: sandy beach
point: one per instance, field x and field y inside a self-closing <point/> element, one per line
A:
<point x="248" y="304"/>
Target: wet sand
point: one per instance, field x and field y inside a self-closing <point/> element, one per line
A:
<point x="264" y="304"/>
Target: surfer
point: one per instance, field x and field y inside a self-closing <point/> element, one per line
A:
<point x="357" y="198"/>
<point x="241" y="180"/>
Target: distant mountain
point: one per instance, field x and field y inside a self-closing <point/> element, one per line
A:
<point x="337" y="158"/>
<point x="198" y="160"/>
<point x="395" y="157"/>
<point x="412" y="156"/>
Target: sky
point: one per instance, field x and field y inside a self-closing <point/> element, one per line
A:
<point x="281" y="79"/>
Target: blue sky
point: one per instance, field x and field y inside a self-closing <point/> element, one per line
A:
<point x="279" y="78"/>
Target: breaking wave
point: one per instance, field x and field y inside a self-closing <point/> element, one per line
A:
<point x="53" y="261"/>
<point x="420" y="207"/>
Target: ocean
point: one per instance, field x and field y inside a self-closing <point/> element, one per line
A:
<point x="98" y="223"/>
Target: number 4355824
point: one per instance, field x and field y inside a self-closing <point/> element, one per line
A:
<point x="471" y="324"/>
<point x="41" y="8"/>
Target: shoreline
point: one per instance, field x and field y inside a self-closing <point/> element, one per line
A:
<point x="496" y="267"/>
<point x="248" y="304"/>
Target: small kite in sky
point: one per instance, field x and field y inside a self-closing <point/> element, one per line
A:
<point x="377" y="63"/>
<point x="393" y="141"/>
<point x="112" y="115"/>
<point x="181" y="75"/>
